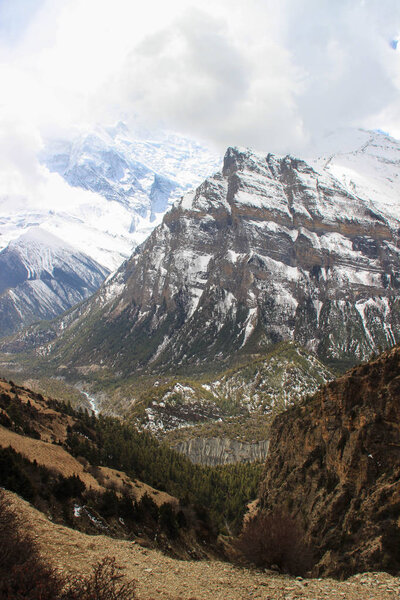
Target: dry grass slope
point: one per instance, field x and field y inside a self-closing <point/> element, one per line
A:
<point x="162" y="578"/>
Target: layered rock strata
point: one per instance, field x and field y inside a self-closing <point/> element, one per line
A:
<point x="222" y="451"/>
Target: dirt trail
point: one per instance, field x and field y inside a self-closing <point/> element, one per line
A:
<point x="159" y="577"/>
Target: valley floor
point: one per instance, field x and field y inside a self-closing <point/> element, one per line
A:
<point x="160" y="577"/>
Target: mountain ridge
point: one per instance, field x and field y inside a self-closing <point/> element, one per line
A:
<point x="41" y="276"/>
<point x="266" y="250"/>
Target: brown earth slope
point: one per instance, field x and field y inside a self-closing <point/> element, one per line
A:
<point x="162" y="578"/>
<point x="50" y="426"/>
<point x="334" y="463"/>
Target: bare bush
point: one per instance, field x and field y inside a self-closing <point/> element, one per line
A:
<point x="275" y="539"/>
<point x="105" y="583"/>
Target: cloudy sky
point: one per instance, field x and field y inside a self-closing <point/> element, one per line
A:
<point x="270" y="74"/>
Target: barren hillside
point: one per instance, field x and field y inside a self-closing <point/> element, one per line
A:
<point x="162" y="578"/>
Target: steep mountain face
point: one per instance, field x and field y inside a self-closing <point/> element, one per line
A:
<point x="118" y="189"/>
<point x="334" y="463"/>
<point x="269" y="249"/>
<point x="40" y="277"/>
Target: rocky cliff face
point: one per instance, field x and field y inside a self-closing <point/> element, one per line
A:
<point x="267" y="250"/>
<point x="221" y="451"/>
<point x="334" y="463"/>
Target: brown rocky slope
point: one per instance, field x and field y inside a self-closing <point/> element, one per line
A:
<point x="334" y="464"/>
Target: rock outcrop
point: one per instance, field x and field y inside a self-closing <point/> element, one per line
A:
<point x="221" y="451"/>
<point x="334" y="463"/>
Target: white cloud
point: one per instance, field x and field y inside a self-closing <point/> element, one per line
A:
<point x="262" y="73"/>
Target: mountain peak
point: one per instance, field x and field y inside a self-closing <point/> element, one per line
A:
<point x="234" y="159"/>
<point x="38" y="236"/>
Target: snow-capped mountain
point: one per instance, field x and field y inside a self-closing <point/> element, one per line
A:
<point x="41" y="276"/>
<point x="366" y="162"/>
<point x="108" y="190"/>
<point x="142" y="176"/>
<point x="269" y="249"/>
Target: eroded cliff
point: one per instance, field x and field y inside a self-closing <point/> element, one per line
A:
<point x="334" y="463"/>
<point x="221" y="451"/>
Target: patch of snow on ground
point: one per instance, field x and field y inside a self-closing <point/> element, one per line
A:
<point x="279" y="269"/>
<point x="360" y="307"/>
<point x="233" y="256"/>
<point x="160" y="349"/>
<point x="196" y="294"/>
<point x="249" y="325"/>
<point x="358" y="276"/>
<point x="318" y="305"/>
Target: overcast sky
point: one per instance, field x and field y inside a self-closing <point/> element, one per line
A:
<point x="269" y="74"/>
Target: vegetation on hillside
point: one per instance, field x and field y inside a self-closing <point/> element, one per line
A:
<point x="269" y="539"/>
<point x="245" y="428"/>
<point x="224" y="490"/>
<point x="215" y="496"/>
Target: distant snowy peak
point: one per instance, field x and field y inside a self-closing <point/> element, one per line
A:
<point x="41" y="276"/>
<point x="134" y="180"/>
<point x="367" y="163"/>
<point x="355" y="140"/>
<point x="143" y="175"/>
<point x="41" y="253"/>
<point x="38" y="238"/>
<point x="106" y="191"/>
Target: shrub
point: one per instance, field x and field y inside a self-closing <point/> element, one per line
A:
<point x="390" y="546"/>
<point x="105" y="583"/>
<point x="167" y="520"/>
<point x="109" y="504"/>
<point x="13" y="473"/>
<point x="275" y="539"/>
<point x="69" y="487"/>
<point x="127" y="507"/>
<point x="147" y="509"/>
<point x="181" y="519"/>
